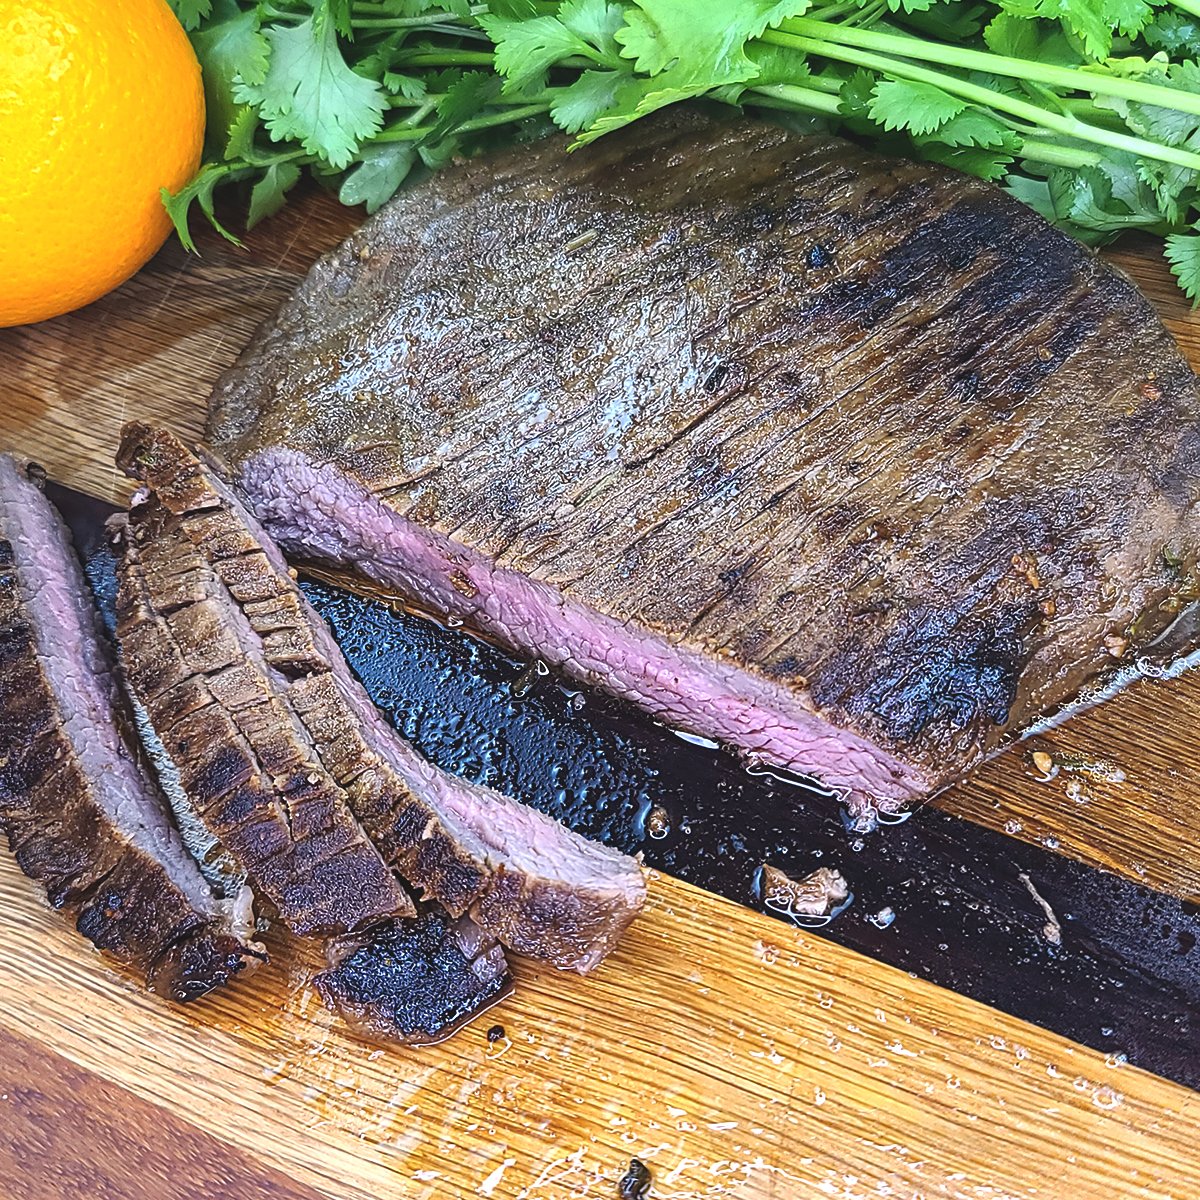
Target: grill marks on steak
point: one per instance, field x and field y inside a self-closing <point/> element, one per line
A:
<point x="523" y="878"/>
<point x="214" y="694"/>
<point x="854" y="464"/>
<point x="78" y="811"/>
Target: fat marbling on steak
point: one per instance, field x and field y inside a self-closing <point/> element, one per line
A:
<point x="852" y="463"/>
<point x="80" y="814"/>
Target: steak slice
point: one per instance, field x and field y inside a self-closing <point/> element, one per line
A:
<point x="522" y="877"/>
<point x="79" y="813"/>
<point x="247" y="769"/>
<point x="416" y="981"/>
<point x="856" y="465"/>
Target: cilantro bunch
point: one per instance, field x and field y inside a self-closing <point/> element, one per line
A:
<point x="1088" y="110"/>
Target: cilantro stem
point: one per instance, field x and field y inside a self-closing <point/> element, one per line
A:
<point x="1188" y="6"/>
<point x="1071" y="78"/>
<point x="800" y="97"/>
<point x="1054" y="155"/>
<point x="383" y="21"/>
<point x="831" y="12"/>
<point x="412" y="133"/>
<point x="824" y="83"/>
<point x="421" y="22"/>
<point x="384" y="9"/>
<point x="424" y="24"/>
<point x="502" y="118"/>
<point x="430" y="100"/>
<point x="1061" y="123"/>
<point x="421" y="113"/>
<point x="448" y="58"/>
<point x="1035" y="150"/>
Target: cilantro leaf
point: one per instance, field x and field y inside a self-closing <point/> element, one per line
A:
<point x="1038" y="41"/>
<point x="199" y="191"/>
<point x="597" y="22"/>
<point x="1092" y="21"/>
<point x="636" y="97"/>
<point x="268" y="194"/>
<point x="976" y="127"/>
<point x="310" y="95"/>
<point x="1183" y="253"/>
<point x="337" y="12"/>
<point x="983" y="162"/>
<point x="239" y="143"/>
<point x="1033" y="192"/>
<point x="383" y="169"/>
<point x="411" y="87"/>
<point x="1175" y="32"/>
<point x="470" y="92"/>
<point x="917" y="107"/>
<point x="1168" y="125"/>
<point x="191" y="12"/>
<point x="525" y="50"/>
<point x="700" y="42"/>
<point x="231" y="49"/>
<point x="1127" y="17"/>
<point x="577" y="106"/>
<point x="854" y="97"/>
<point x="910" y="6"/>
<point x="518" y="10"/>
<point x="777" y="64"/>
<point x="681" y="49"/>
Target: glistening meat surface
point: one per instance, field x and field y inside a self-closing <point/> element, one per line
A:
<point x="79" y="813"/>
<point x="856" y="465"/>
<point x="273" y="735"/>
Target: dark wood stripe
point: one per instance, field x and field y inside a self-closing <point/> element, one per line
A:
<point x="67" y="1133"/>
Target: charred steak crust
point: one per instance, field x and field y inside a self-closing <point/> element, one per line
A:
<point x="79" y="814"/>
<point x="854" y="463"/>
<point x="525" y="879"/>
<point x="415" y="981"/>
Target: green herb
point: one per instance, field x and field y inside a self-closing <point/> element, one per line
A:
<point x="1087" y="110"/>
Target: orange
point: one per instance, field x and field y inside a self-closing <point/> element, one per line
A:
<point x="100" y="106"/>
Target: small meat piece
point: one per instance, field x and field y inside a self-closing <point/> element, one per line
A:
<point x="527" y="880"/>
<point x="853" y="464"/>
<point x="415" y="981"/>
<point x="821" y="893"/>
<point x="79" y="812"/>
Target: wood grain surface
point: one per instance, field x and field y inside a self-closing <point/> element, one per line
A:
<point x="69" y="1133"/>
<point x="736" y="1056"/>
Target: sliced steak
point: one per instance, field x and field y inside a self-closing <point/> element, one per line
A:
<point x="247" y="769"/>
<point x="416" y="981"/>
<point x="522" y="877"/>
<point x="79" y="812"/>
<point x="854" y="464"/>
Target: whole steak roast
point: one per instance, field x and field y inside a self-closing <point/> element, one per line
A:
<point x="852" y="464"/>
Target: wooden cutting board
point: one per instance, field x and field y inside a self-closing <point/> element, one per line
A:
<point x="736" y="1056"/>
